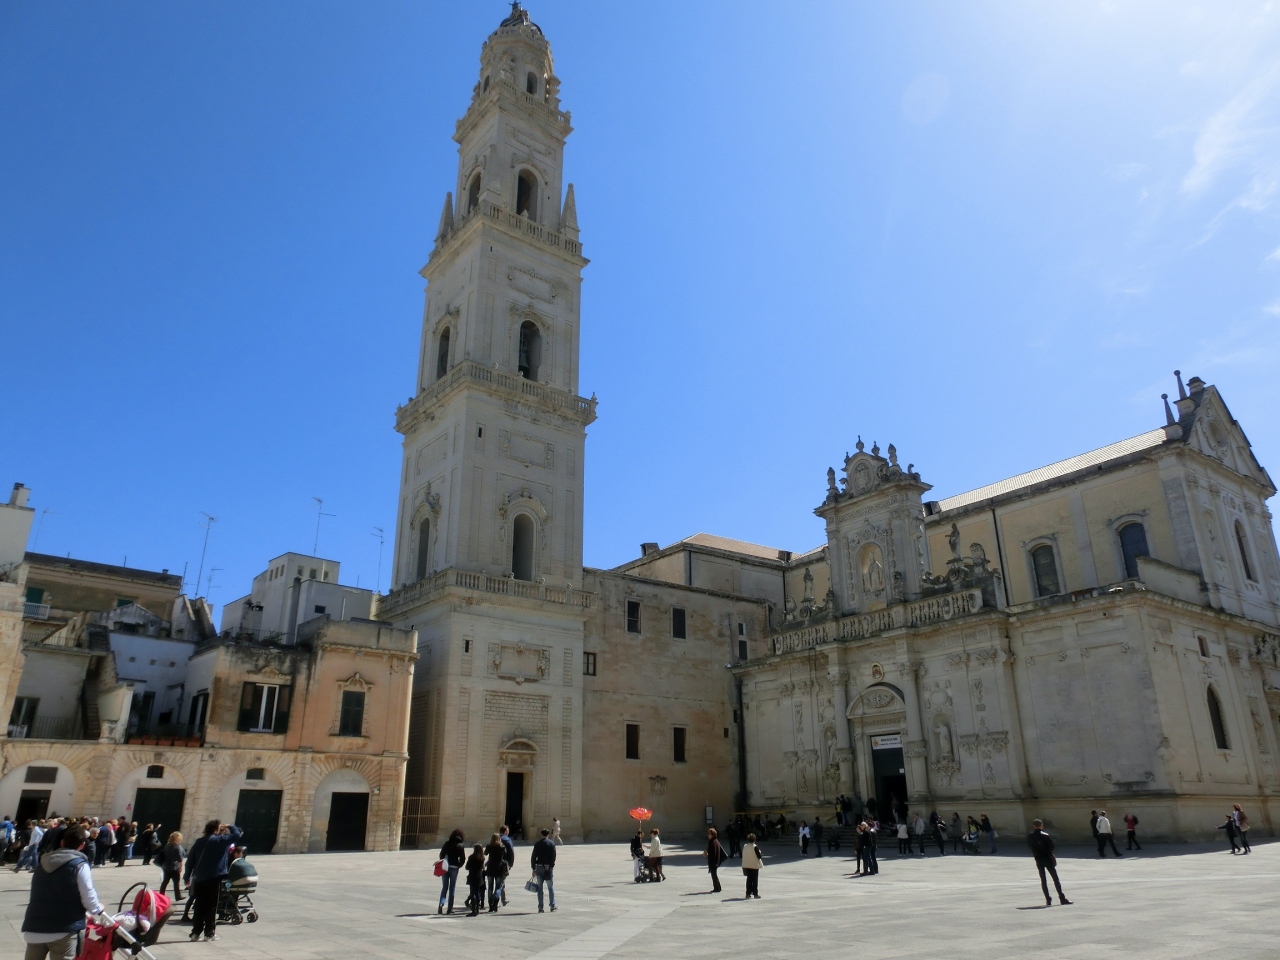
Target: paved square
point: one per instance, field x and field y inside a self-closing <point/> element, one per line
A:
<point x="1169" y="901"/>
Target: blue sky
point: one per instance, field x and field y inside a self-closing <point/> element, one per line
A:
<point x="984" y="231"/>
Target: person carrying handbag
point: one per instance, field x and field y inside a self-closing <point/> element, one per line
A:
<point x="543" y="861"/>
<point x="715" y="856"/>
<point x="752" y="864"/>
<point x="452" y="856"/>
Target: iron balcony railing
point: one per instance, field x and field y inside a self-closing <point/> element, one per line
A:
<point x="49" y="728"/>
<point x="35" y="611"/>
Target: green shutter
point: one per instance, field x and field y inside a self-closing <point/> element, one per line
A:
<point x="282" y="710"/>
<point x="246" y="706"/>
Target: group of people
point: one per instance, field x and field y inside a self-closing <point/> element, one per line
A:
<point x="108" y="841"/>
<point x="489" y="865"/>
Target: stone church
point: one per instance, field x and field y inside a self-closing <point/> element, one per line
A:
<point x="1104" y="631"/>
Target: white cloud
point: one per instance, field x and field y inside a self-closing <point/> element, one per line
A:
<point x="1274" y="254"/>
<point x="1244" y="133"/>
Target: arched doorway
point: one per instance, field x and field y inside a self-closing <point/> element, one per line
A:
<point x="516" y="761"/>
<point x="340" y="814"/>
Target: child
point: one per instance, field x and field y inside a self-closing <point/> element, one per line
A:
<point x="475" y="879"/>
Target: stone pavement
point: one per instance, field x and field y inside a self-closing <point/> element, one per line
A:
<point x="1168" y="901"/>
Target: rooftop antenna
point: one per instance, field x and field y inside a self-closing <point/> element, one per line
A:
<point x="39" y="527"/>
<point x="209" y="521"/>
<point x="377" y="532"/>
<point x="209" y="587"/>
<point x="315" y="547"/>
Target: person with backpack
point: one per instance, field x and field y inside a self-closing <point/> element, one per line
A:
<point x="1131" y="831"/>
<point x="61" y="894"/>
<point x="715" y="856"/>
<point x="453" y="856"/>
<point x="752" y="864"/>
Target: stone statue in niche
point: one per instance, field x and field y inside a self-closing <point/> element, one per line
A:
<point x="942" y="730"/>
<point x="829" y="741"/>
<point x="873" y="579"/>
<point x="953" y="541"/>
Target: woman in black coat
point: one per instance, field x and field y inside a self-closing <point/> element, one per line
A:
<point x="715" y="856"/>
<point x="454" y="854"/>
<point x="475" y="879"/>
<point x="496" y="869"/>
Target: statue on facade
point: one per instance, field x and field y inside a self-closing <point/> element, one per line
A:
<point x="953" y="540"/>
<point x="943" y="731"/>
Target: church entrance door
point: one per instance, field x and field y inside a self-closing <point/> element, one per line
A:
<point x="515" y="803"/>
<point x="890" y="771"/>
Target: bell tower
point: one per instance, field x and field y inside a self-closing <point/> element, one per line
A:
<point x="488" y="546"/>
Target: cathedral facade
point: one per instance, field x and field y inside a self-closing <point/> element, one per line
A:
<point x="1105" y="630"/>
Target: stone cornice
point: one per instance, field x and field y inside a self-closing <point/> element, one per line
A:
<point x="519" y="228"/>
<point x="471" y="375"/>
<point x="465" y="583"/>
<point x="504" y="95"/>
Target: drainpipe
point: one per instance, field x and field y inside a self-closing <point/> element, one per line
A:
<point x="1004" y="570"/>
<point x="742" y="748"/>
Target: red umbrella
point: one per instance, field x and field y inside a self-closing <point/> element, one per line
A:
<point x="641" y="814"/>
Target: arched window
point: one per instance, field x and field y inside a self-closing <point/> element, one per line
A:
<point x="530" y="358"/>
<point x="531" y="83"/>
<point x="473" y="193"/>
<point x="424" y="547"/>
<point x="1215" y="718"/>
<point x="522" y="547"/>
<point x="1242" y="543"/>
<point x="1046" y="570"/>
<point x="442" y="354"/>
<point x="527" y="196"/>
<point x="1133" y="544"/>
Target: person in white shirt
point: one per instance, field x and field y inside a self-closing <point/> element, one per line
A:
<point x="655" y="854"/>
<point x="28" y="858"/>
<point x="1105" y="837"/>
<point x="804" y="839"/>
<point x="917" y="828"/>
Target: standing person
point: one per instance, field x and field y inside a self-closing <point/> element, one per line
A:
<point x="207" y="877"/>
<point x="752" y="863"/>
<point x="1131" y="831"/>
<point x="124" y="840"/>
<point x="990" y="832"/>
<point x="30" y="853"/>
<point x="555" y="830"/>
<point x="715" y="856"/>
<point x="1242" y="826"/>
<point x="1093" y="825"/>
<point x="817" y="830"/>
<point x="495" y="869"/>
<point x="873" y="841"/>
<point x="1230" y="826"/>
<point x="1041" y="845"/>
<point x="170" y="859"/>
<point x="655" y="855"/>
<point x="1103" y="826"/>
<point x="637" y="855"/>
<point x="475" y="879"/>
<point x="803" y="834"/>
<point x="144" y="841"/>
<point x="454" y="855"/>
<point x="860" y="848"/>
<point x="731" y="834"/>
<point x="939" y="832"/>
<point x="61" y="894"/>
<point x="839" y="811"/>
<point x="543" y="861"/>
<point x="955" y="830"/>
<point x="504" y="833"/>
<point x="904" y="839"/>
<point x="917" y="827"/>
<point x="106" y="840"/>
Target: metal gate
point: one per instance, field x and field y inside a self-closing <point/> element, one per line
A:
<point x="420" y="822"/>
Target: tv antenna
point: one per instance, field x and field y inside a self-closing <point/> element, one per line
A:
<point x="40" y="526"/>
<point x="377" y="532"/>
<point x="315" y="547"/>
<point x="208" y="523"/>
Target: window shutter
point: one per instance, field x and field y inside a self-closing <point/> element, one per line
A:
<point x="282" y="709"/>
<point x="246" y="707"/>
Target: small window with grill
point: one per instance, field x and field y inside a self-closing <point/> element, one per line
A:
<point x="677" y="623"/>
<point x="633" y="616"/>
<point x="679" y="736"/>
<point x="633" y="741"/>
<point x="588" y="664"/>
<point x="155" y="772"/>
<point x="255" y="773"/>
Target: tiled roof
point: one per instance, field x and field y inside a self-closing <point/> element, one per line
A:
<point x="1114" y="451"/>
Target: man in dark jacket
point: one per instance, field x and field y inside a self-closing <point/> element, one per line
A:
<point x="543" y="861"/>
<point x="1041" y="845"/>
<point x="61" y="893"/>
<point x="193" y="858"/>
<point x="208" y="874"/>
<point x="509" y="854"/>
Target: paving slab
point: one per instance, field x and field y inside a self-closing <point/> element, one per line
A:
<point x="1190" y="901"/>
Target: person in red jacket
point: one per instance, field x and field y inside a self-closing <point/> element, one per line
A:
<point x="1131" y="828"/>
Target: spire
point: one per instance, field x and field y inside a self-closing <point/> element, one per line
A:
<point x="1168" y="413"/>
<point x="569" y="215"/>
<point x="446" y="218"/>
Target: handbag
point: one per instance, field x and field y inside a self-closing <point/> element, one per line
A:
<point x="532" y="883"/>
<point x="440" y="871"/>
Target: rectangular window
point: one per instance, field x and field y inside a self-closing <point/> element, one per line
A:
<point x="633" y="741"/>
<point x="351" y="722"/>
<point x="679" y="735"/>
<point x="588" y="664"/>
<point x="35" y="594"/>
<point x="199" y="707"/>
<point x="313" y="573"/>
<point x="677" y="623"/>
<point x="255" y="773"/>
<point x="1204" y="646"/>
<point x="319" y="608"/>
<point x="742" y="629"/>
<point x="22" y="716"/>
<point x="726" y="733"/>
<point x="155" y="771"/>
<point x="742" y="650"/>
<point x="123" y="602"/>
<point x="633" y="616"/>
<point x="42" y="775"/>
<point x="264" y="708"/>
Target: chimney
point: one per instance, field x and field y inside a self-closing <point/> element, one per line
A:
<point x="19" y="496"/>
<point x="648" y="548"/>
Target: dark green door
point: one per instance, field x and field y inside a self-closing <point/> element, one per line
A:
<point x="258" y="815"/>
<point x="348" y="817"/>
<point x="160" y="807"/>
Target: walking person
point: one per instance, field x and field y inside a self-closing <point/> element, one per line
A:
<point x="989" y="831"/>
<point x="655" y="855"/>
<point x="1242" y="826"/>
<point x="170" y="859"/>
<point x="1103" y="826"/>
<point x="873" y="841"/>
<point x="715" y="856"/>
<point x="1229" y="825"/>
<point x="731" y="834"/>
<point x="495" y="869"/>
<point x="1041" y="845"/>
<point x="61" y="894"/>
<point x="504" y="834"/>
<point x="452" y="856"/>
<point x="939" y="833"/>
<point x="555" y="831"/>
<point x="475" y="879"/>
<point x="543" y="861"/>
<point x="1093" y="824"/>
<point x="752" y="864"/>
<point x="803" y="834"/>
<point x="124" y="842"/>
<point x="207" y="877"/>
<point x="1131" y="832"/>
<point x="193" y="857"/>
<point x="817" y="830"/>
<point x="955" y="830"/>
<point x="30" y="853"/>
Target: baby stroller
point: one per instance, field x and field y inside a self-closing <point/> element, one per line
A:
<point x="129" y="931"/>
<point x="234" y="903"/>
<point x="643" y="871"/>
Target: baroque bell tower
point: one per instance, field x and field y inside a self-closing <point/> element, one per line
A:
<point x="488" y="545"/>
